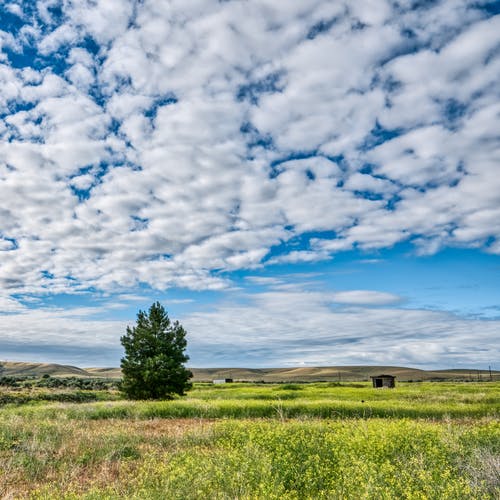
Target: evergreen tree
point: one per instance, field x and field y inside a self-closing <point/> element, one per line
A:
<point x="153" y="366"/>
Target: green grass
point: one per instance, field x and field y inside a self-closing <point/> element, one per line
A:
<point x="318" y="400"/>
<point x="250" y="441"/>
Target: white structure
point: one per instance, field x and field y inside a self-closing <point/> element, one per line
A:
<point x="222" y="380"/>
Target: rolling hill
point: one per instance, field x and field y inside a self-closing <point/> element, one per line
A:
<point x="294" y="374"/>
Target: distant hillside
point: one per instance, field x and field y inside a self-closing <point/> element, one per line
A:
<point x="104" y="372"/>
<point x="19" y="369"/>
<point x="337" y="374"/>
<point x="302" y="374"/>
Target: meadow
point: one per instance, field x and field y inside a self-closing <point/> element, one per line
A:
<point x="251" y="441"/>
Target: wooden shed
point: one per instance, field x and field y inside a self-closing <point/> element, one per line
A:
<point x="381" y="381"/>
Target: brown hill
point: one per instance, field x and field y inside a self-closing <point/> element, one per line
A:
<point x="104" y="372"/>
<point x="292" y="374"/>
<point x="336" y="374"/>
<point x="19" y="369"/>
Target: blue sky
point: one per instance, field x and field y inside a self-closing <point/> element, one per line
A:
<point x="299" y="183"/>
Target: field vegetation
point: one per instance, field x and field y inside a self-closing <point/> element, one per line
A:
<point x="247" y="441"/>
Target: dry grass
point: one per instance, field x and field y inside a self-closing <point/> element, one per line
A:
<point x="79" y="455"/>
<point x="262" y="447"/>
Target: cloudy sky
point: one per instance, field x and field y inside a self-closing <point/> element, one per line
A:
<point x="299" y="182"/>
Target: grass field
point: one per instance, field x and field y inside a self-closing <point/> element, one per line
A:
<point x="249" y="441"/>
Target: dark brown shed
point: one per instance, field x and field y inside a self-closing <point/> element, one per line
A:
<point x="380" y="381"/>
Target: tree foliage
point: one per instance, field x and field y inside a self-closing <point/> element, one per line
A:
<point x="153" y="366"/>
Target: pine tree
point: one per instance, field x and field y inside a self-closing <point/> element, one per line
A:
<point x="153" y="366"/>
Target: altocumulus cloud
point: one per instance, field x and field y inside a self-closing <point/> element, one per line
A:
<point x="169" y="144"/>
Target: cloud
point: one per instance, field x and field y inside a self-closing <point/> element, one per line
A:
<point x="64" y="34"/>
<point x="365" y="297"/>
<point x="299" y="256"/>
<point x="65" y="336"/>
<point x="161" y="144"/>
<point x="10" y="305"/>
<point x="288" y="322"/>
<point x="280" y="328"/>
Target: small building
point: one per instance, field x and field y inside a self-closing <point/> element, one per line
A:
<point x="222" y="380"/>
<point x="381" y="381"/>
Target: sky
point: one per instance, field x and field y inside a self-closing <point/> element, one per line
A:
<point x="299" y="183"/>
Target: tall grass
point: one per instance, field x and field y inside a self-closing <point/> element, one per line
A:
<point x="351" y="459"/>
<point x="290" y="441"/>
<point x="428" y="400"/>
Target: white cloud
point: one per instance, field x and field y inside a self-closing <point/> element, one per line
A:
<point x="365" y="297"/>
<point x="282" y="328"/>
<point x="279" y="327"/>
<point x="64" y="34"/>
<point x="299" y="256"/>
<point x="189" y="139"/>
<point x="10" y="305"/>
<point x="59" y="336"/>
<point x="104" y="20"/>
<point x="14" y="8"/>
